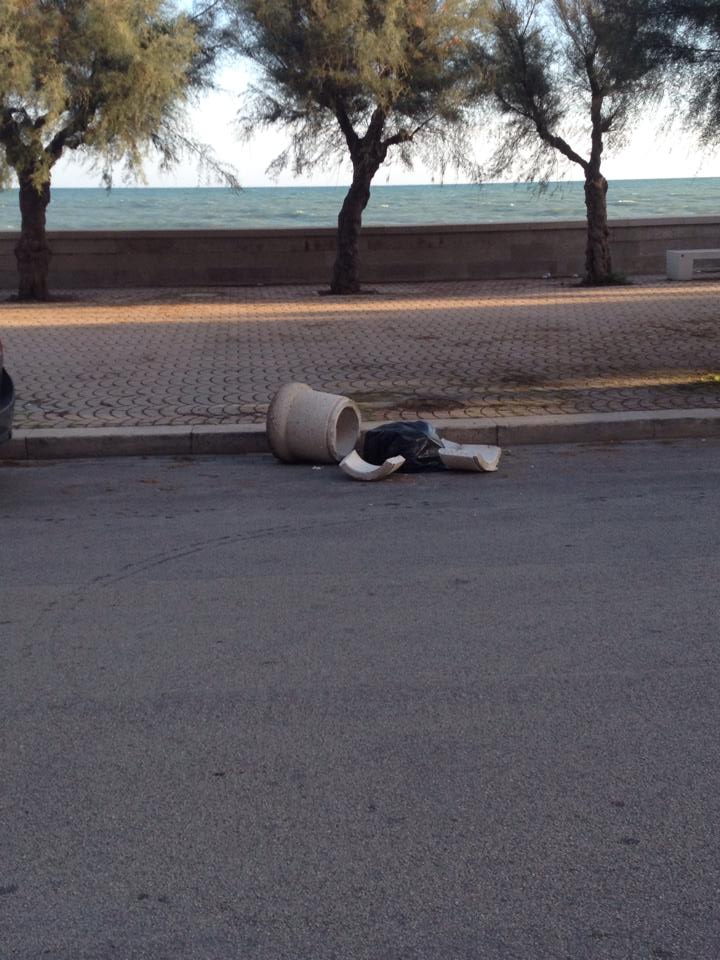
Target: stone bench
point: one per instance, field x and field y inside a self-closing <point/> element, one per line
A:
<point x="680" y="263"/>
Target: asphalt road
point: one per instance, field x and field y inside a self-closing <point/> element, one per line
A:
<point x="258" y="711"/>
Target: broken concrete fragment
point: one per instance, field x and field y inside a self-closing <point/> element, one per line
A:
<point x="470" y="456"/>
<point x="354" y="466"/>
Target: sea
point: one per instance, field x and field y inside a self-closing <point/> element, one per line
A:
<point x="148" y="208"/>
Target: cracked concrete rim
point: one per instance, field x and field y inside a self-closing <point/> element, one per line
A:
<point x="251" y="438"/>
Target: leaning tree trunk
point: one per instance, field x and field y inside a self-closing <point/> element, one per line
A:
<point x="346" y="271"/>
<point x="598" y="265"/>
<point x="32" y="251"/>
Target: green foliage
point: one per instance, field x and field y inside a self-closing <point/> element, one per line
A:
<point x="566" y="66"/>
<point x="106" y="77"/>
<point x="688" y="36"/>
<point x="329" y="70"/>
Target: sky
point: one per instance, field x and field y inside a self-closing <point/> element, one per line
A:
<point x="212" y="121"/>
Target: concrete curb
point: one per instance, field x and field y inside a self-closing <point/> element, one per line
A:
<point x="67" y="443"/>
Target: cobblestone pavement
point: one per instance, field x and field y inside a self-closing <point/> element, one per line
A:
<point x="484" y="349"/>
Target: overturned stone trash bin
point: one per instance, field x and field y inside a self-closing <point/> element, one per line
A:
<point x="306" y="425"/>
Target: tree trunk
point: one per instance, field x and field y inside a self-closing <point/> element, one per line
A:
<point x="32" y="251"/>
<point x="598" y="265"/>
<point x="346" y="272"/>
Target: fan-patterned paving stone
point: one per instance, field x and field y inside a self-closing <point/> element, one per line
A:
<point x="478" y="349"/>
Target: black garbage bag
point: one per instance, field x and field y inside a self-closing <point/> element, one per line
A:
<point x="416" y="440"/>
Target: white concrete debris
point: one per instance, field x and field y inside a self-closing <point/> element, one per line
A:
<point x="354" y="466"/>
<point x="311" y="426"/>
<point x="308" y="425"/>
<point x="469" y="456"/>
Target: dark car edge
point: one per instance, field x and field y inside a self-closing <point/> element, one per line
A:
<point x="7" y="401"/>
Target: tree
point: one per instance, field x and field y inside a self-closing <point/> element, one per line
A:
<point x="594" y="62"/>
<point x="359" y="78"/>
<point x="105" y="77"/>
<point x="687" y="35"/>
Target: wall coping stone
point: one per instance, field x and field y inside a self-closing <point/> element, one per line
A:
<point x="371" y="230"/>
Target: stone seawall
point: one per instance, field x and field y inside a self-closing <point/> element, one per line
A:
<point x="182" y="258"/>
